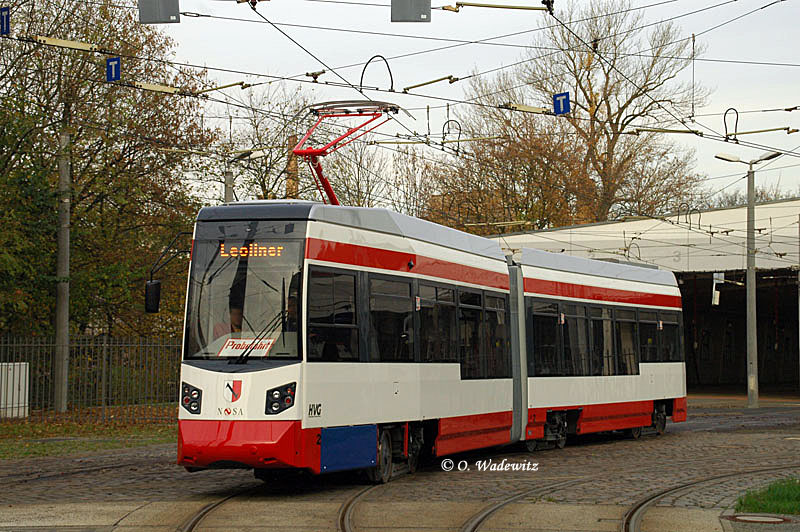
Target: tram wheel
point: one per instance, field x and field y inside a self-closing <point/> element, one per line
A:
<point x="660" y="420"/>
<point x="382" y="472"/>
<point x="561" y="439"/>
<point x="413" y="462"/>
<point x="635" y="433"/>
<point x="532" y="446"/>
<point x="415" y="441"/>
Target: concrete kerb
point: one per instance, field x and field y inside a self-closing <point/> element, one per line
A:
<point x="727" y="526"/>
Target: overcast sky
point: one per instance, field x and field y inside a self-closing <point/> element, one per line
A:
<point x="768" y="35"/>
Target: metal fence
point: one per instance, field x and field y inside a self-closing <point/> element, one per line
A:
<point x="110" y="379"/>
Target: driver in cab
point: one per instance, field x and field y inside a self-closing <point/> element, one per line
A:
<point x="234" y="326"/>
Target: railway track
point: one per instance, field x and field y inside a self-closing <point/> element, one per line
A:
<point x="194" y="521"/>
<point x="632" y="520"/>
<point x="344" y="515"/>
<point x="478" y="520"/>
<point x="344" y="519"/>
<point x="346" y="511"/>
<point x="33" y="477"/>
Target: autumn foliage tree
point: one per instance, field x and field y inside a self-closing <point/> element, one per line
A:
<point x="128" y="149"/>
<point x="590" y="165"/>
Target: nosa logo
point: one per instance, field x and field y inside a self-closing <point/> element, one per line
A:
<point x="230" y="411"/>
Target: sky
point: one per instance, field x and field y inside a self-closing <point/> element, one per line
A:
<point x="766" y="35"/>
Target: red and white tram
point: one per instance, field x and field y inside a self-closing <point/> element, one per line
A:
<point x="334" y="338"/>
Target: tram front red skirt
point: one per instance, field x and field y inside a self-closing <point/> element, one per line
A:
<point x="221" y="444"/>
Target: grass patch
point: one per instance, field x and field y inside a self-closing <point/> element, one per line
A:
<point x="23" y="439"/>
<point x="780" y="497"/>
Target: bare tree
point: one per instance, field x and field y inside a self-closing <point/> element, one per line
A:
<point x="412" y="182"/>
<point x="359" y="173"/>
<point x="620" y="74"/>
<point x="261" y="134"/>
<point x="737" y="198"/>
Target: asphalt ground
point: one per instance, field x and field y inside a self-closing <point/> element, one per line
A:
<point x="588" y="486"/>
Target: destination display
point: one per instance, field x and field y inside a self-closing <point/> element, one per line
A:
<point x="251" y="250"/>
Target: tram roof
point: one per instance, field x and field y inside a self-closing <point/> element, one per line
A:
<point x="374" y="219"/>
<point x="595" y="268"/>
<point x="390" y="222"/>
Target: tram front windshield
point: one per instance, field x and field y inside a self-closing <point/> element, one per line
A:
<point x="244" y="290"/>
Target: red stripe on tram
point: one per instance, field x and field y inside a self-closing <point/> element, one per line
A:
<point x="598" y="293"/>
<point x="370" y="257"/>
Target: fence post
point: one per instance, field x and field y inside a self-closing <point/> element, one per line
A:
<point x="104" y="376"/>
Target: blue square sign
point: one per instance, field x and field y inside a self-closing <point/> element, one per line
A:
<point x="561" y="103"/>
<point x="113" y="65"/>
<point x="5" y="20"/>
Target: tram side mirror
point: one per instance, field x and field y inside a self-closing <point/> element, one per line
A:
<point x="152" y="296"/>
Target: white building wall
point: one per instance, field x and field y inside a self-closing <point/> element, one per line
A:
<point x="713" y="240"/>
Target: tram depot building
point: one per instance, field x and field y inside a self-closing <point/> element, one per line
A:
<point x="699" y="247"/>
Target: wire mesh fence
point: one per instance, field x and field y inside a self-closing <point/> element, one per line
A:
<point x="110" y="379"/>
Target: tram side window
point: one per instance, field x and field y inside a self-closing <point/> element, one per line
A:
<point x="670" y="338"/>
<point x="391" y="321"/>
<point x="546" y="348"/>
<point x="332" y="327"/>
<point x="648" y="336"/>
<point x="576" y="341"/>
<point x="602" y="341"/>
<point x="470" y="332"/>
<point x="627" y="342"/>
<point x="438" y="324"/>
<point x="498" y="350"/>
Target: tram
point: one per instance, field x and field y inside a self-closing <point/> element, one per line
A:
<point x="331" y="338"/>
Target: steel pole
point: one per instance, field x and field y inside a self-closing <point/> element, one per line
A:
<point x="752" y="343"/>
<point x="292" y="180"/>
<point x="61" y="369"/>
<point x="228" y="186"/>
<point x="798" y="302"/>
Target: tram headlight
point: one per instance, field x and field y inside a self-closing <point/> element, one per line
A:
<point x="280" y="398"/>
<point x="191" y="398"/>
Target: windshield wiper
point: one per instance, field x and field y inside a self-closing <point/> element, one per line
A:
<point x="267" y="330"/>
<point x="283" y="311"/>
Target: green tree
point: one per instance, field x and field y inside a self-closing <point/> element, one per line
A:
<point x="27" y="241"/>
<point x="128" y="195"/>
